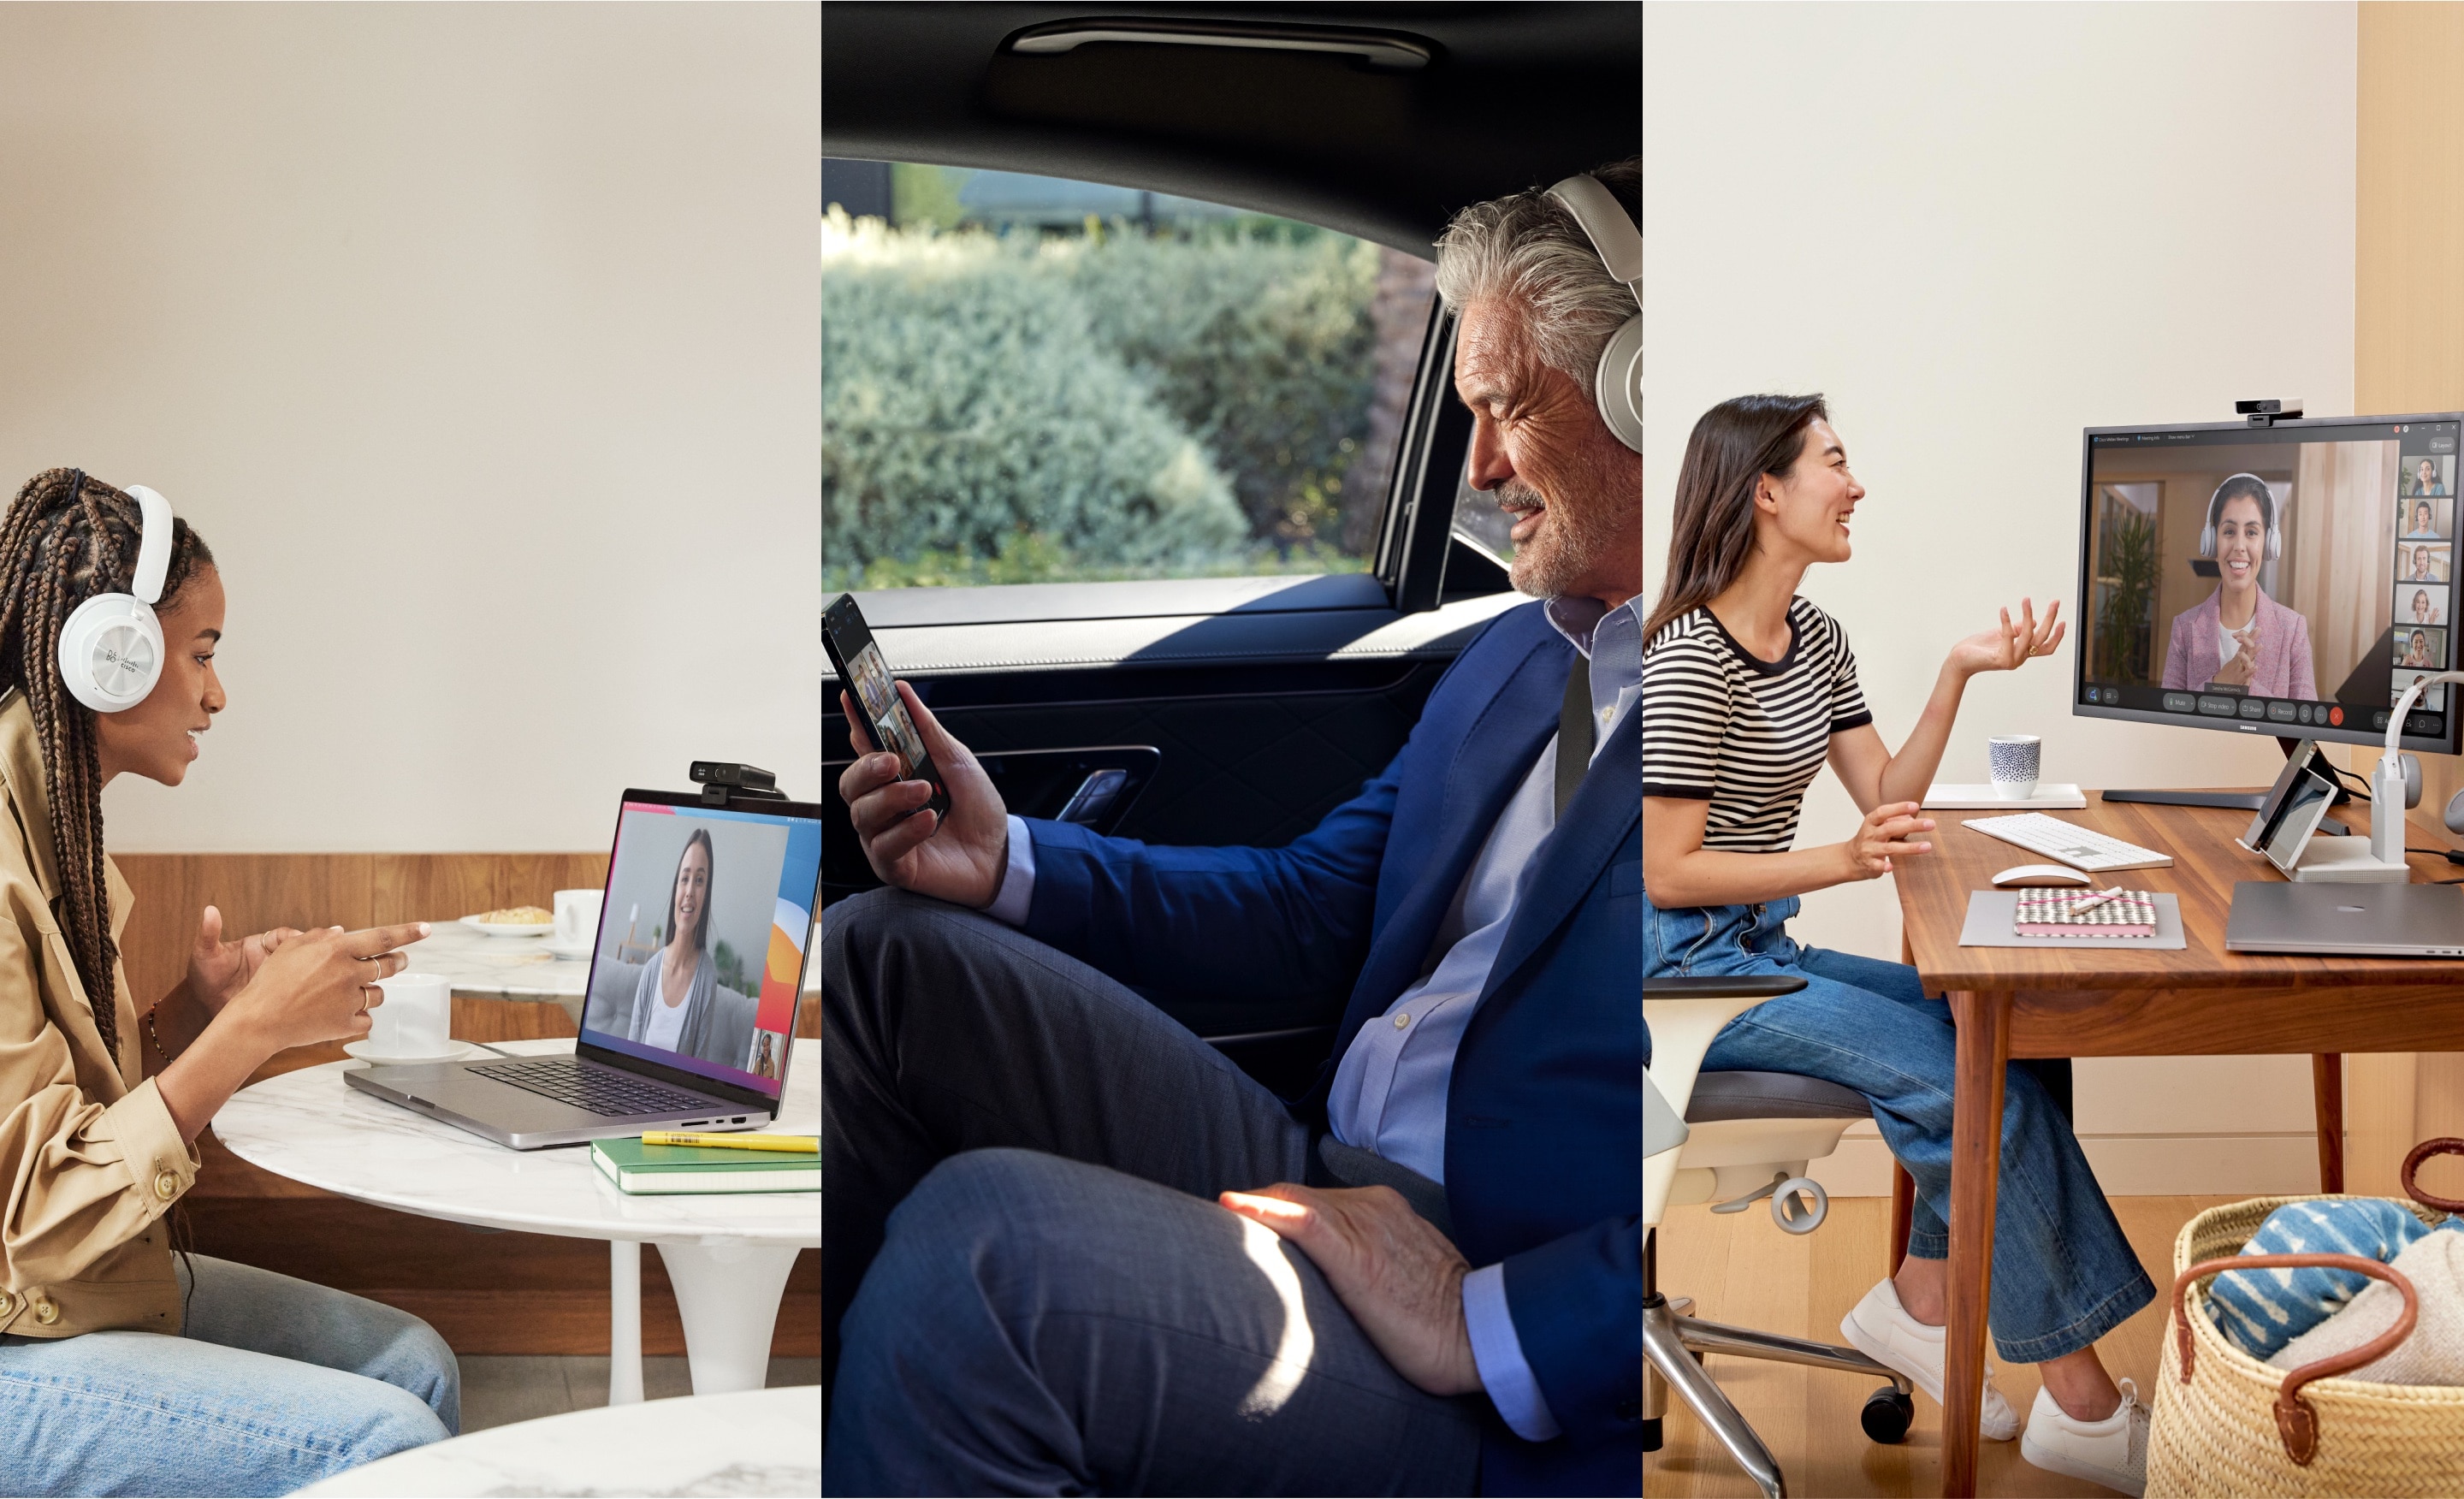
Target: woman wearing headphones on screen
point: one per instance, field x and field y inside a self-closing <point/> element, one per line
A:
<point x="2237" y="636"/>
<point x="1747" y="691"/>
<point x="123" y="1369"/>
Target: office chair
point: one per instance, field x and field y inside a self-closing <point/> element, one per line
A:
<point x="1739" y="1137"/>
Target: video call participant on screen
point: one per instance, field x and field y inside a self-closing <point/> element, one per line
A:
<point x="2237" y="636"/>
<point x="2423" y="611"/>
<point x="2425" y="523"/>
<point x="2417" y="652"/>
<point x="678" y="1004"/>
<point x="2425" y="480"/>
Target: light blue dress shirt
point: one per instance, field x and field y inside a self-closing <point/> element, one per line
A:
<point x="1390" y="1090"/>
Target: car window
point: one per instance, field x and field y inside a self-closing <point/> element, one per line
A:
<point x="1034" y="379"/>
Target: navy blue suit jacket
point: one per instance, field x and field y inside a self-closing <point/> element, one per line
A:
<point x="1544" y="1148"/>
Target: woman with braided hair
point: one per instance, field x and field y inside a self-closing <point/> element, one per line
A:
<point x="123" y="1369"/>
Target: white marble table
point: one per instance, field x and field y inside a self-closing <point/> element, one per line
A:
<point x="727" y="1255"/>
<point x="763" y="1442"/>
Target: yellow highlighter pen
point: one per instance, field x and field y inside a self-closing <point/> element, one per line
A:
<point x="794" y="1144"/>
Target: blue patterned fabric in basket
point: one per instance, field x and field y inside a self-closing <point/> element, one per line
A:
<point x="2261" y="1311"/>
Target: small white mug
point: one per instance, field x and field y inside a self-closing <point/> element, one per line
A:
<point x="2014" y="759"/>
<point x="415" y="1018"/>
<point x="577" y="916"/>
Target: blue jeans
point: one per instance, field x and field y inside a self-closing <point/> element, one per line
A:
<point x="2063" y="1274"/>
<point x="274" y="1384"/>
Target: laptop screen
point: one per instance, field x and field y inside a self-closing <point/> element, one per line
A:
<point x="701" y="938"/>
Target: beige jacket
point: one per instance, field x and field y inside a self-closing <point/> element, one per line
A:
<point x="89" y="1157"/>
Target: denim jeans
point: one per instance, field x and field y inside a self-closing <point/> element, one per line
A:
<point x="274" y="1384"/>
<point x="2063" y="1274"/>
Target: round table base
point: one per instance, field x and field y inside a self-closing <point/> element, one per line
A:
<point x="728" y="1292"/>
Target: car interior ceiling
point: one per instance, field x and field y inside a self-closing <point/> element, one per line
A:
<point x="1512" y="94"/>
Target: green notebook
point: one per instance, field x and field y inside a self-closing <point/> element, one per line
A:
<point x="660" y="1170"/>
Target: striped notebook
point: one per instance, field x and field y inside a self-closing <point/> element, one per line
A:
<point x="2081" y="913"/>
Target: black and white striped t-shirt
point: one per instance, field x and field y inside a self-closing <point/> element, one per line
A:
<point x="1744" y="734"/>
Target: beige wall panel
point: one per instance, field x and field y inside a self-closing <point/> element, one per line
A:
<point x="481" y="341"/>
<point x="2408" y="356"/>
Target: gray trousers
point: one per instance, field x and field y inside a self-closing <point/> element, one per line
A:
<point x="1029" y="1288"/>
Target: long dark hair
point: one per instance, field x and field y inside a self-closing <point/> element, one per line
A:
<point x="65" y="538"/>
<point x="701" y="923"/>
<point x="1712" y="533"/>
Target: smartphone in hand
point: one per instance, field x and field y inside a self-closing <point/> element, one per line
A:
<point x="865" y="675"/>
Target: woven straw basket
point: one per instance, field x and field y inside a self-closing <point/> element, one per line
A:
<point x="2226" y="1423"/>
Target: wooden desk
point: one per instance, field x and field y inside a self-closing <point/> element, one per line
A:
<point x="2022" y="1001"/>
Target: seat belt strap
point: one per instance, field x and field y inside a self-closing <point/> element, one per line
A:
<point x="1575" y="731"/>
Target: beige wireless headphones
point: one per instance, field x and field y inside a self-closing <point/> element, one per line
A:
<point x="1617" y="385"/>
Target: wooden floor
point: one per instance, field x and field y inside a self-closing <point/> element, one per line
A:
<point x="1740" y="1268"/>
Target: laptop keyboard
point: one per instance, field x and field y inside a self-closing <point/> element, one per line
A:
<point x="603" y="1090"/>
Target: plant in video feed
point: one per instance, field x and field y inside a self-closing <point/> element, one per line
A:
<point x="2125" y="593"/>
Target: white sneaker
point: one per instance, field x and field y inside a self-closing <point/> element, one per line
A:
<point x="1881" y="1329"/>
<point x="2112" y="1451"/>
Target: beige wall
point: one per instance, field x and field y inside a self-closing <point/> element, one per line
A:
<point x="1980" y="228"/>
<point x="2409" y="356"/>
<point x="480" y="341"/>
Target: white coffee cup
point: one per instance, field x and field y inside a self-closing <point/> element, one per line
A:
<point x="2014" y="758"/>
<point x="415" y="1018"/>
<point x="577" y="916"/>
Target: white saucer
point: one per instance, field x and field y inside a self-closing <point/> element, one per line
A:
<point x="499" y="929"/>
<point x="461" y="1052"/>
<point x="561" y="950"/>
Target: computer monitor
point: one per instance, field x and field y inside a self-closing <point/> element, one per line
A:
<point x="2289" y="580"/>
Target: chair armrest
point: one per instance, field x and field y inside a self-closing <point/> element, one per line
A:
<point x="1743" y="987"/>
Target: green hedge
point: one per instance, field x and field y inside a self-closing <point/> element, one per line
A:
<point x="1113" y="406"/>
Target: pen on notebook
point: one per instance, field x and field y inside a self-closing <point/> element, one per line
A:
<point x="797" y="1144"/>
<point x="2084" y="903"/>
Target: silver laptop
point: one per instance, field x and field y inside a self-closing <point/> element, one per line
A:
<point x="694" y="985"/>
<point x="2364" y="920"/>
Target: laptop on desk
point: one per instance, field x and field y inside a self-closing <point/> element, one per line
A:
<point x="2347" y="920"/>
<point x="694" y="978"/>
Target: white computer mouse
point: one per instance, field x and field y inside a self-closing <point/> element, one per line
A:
<point x="2038" y="874"/>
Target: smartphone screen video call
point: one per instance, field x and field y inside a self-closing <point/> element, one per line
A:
<point x="860" y="664"/>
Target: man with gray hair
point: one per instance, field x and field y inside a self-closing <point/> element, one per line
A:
<point x="1074" y="1250"/>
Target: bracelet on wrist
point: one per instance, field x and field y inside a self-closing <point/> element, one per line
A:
<point x="155" y="1036"/>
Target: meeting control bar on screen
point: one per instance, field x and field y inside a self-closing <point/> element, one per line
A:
<point x="2293" y="579"/>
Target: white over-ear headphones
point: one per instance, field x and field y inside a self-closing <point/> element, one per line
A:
<point x="1617" y="385"/>
<point x="2215" y="512"/>
<point x="111" y="649"/>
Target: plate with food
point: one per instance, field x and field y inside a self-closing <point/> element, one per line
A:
<point x="514" y="921"/>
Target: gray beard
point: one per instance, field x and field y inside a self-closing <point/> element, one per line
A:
<point x="1556" y="557"/>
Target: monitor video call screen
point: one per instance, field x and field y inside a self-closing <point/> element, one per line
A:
<point x="701" y="939"/>
<point x="2287" y="579"/>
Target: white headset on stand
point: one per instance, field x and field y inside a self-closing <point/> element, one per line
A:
<point x="1617" y="385"/>
<point x="111" y="649"/>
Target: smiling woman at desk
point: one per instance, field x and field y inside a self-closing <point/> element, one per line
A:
<point x="121" y="1371"/>
<point x="1747" y="690"/>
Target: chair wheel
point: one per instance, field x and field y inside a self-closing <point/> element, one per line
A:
<point x="1887" y="1414"/>
<point x="1651" y="1435"/>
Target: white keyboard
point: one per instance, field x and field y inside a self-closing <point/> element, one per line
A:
<point x="2077" y="846"/>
